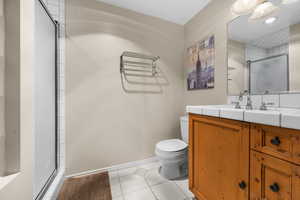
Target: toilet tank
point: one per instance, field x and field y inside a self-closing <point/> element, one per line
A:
<point x="184" y="125"/>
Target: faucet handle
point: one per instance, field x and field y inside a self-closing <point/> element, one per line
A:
<point x="270" y="104"/>
<point x="249" y="99"/>
<point x="237" y="104"/>
<point x="265" y="104"/>
<point x="242" y="93"/>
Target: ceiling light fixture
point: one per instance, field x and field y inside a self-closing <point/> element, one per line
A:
<point x="242" y="7"/>
<point x="263" y="10"/>
<point x="289" y="1"/>
<point x="270" y="20"/>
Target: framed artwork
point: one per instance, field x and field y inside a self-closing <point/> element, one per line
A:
<point x="201" y="64"/>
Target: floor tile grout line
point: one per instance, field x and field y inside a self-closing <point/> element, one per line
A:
<point x="122" y="193"/>
<point x="119" y="181"/>
<point x="145" y="179"/>
<point x="150" y="187"/>
<point x="156" y="184"/>
<point x="186" y="196"/>
<point x="136" y="169"/>
<point x="167" y="181"/>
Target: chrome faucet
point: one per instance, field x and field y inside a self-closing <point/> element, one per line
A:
<point x="249" y="101"/>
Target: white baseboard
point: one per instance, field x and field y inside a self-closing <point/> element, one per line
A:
<point x="116" y="167"/>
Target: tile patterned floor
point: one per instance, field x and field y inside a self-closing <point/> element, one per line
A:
<point x="144" y="183"/>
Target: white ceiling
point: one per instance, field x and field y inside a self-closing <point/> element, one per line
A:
<point x="177" y="11"/>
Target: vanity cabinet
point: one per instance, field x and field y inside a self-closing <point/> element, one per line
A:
<point x="218" y="158"/>
<point x="234" y="160"/>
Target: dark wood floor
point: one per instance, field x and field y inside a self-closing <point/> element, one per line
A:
<point x="91" y="187"/>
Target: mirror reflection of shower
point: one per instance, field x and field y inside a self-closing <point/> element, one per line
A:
<point x="269" y="74"/>
<point x="263" y="54"/>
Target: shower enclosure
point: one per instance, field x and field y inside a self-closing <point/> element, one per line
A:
<point x="45" y="100"/>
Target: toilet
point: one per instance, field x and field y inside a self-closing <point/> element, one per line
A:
<point x="173" y="154"/>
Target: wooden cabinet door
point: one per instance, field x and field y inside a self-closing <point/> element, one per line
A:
<point x="218" y="158"/>
<point x="273" y="179"/>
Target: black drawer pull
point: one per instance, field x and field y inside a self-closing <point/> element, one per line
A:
<point x="243" y="185"/>
<point x="275" y="187"/>
<point x="276" y="141"/>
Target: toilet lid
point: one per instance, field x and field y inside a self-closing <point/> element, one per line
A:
<point x="171" y="145"/>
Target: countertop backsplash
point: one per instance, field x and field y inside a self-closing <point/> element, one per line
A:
<point x="280" y="100"/>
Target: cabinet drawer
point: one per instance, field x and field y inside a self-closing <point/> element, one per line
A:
<point x="279" y="142"/>
<point x="273" y="178"/>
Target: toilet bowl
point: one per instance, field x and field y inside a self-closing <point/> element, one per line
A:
<point x="173" y="154"/>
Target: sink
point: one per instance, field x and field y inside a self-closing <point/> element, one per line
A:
<point x="268" y="117"/>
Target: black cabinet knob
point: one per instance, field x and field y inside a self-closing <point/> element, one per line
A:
<point x="275" y="187"/>
<point x="276" y="141"/>
<point x="242" y="185"/>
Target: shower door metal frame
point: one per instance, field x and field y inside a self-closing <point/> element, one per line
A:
<point x="249" y="62"/>
<point x="57" y="162"/>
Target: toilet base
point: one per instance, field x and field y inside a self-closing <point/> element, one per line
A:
<point x="173" y="171"/>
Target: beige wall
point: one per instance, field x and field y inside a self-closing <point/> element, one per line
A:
<point x="106" y="125"/>
<point x="294" y="52"/>
<point x="210" y="21"/>
<point x="12" y="87"/>
<point x="21" y="186"/>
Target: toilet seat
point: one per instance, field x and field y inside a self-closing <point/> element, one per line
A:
<point x="173" y="145"/>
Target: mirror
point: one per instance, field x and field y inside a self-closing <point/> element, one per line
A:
<point x="264" y="55"/>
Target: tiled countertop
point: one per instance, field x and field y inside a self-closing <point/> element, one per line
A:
<point x="281" y="117"/>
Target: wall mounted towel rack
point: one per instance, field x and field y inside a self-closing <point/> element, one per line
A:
<point x="138" y="63"/>
<point x="141" y="74"/>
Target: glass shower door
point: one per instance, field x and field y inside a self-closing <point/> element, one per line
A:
<point x="45" y="100"/>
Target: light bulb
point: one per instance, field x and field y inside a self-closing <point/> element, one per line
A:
<point x="270" y="20"/>
<point x="263" y="10"/>
<point x="241" y="7"/>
